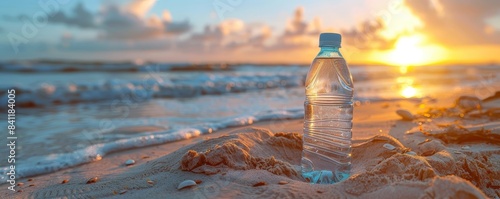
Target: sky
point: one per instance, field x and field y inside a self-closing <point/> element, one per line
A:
<point x="389" y="32"/>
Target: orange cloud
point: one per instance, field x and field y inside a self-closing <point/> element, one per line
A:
<point x="456" y="23"/>
<point x="140" y="7"/>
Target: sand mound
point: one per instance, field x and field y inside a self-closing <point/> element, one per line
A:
<point x="236" y="154"/>
<point x="451" y="187"/>
<point x="234" y="165"/>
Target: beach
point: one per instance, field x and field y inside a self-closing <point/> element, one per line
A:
<point x="447" y="149"/>
<point x="250" y="99"/>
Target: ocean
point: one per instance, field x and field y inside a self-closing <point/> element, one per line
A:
<point x="73" y="113"/>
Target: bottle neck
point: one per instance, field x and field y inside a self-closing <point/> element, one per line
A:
<point x="329" y="51"/>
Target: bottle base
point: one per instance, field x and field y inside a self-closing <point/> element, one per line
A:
<point x="324" y="177"/>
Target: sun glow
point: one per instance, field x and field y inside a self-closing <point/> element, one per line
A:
<point x="411" y="51"/>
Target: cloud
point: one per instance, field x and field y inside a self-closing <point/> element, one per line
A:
<point x="230" y="34"/>
<point x="456" y="23"/>
<point x="299" y="33"/>
<point x="116" y="22"/>
<point x="302" y="34"/>
<point x="122" y="23"/>
<point x="140" y="7"/>
<point x="368" y="36"/>
<point x="132" y="28"/>
<point x="130" y="22"/>
<point x="126" y="23"/>
<point x="79" y="18"/>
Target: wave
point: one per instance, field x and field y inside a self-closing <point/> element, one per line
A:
<point x="51" y="66"/>
<point x="152" y="87"/>
<point x="54" y="162"/>
<point x="67" y="67"/>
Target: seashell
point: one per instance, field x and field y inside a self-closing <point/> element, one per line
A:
<point x="389" y="146"/>
<point x="129" y="162"/>
<point x="123" y="191"/>
<point x="283" y="182"/>
<point x="261" y="183"/>
<point x="186" y="183"/>
<point x="65" y="181"/>
<point x="92" y="180"/>
<point x="405" y="115"/>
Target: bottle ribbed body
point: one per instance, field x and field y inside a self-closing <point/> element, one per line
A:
<point x="326" y="155"/>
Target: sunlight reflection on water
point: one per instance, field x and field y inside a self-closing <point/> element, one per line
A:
<point x="407" y="87"/>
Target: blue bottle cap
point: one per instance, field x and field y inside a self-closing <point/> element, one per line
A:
<point x="330" y="39"/>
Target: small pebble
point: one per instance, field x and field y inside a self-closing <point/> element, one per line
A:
<point x="428" y="153"/>
<point x="457" y="152"/>
<point x="97" y="157"/>
<point x="123" y="191"/>
<point x="19" y="190"/>
<point x="150" y="182"/>
<point x="186" y="183"/>
<point x="283" y="182"/>
<point x="20" y="184"/>
<point x="198" y="181"/>
<point x="64" y="181"/>
<point x="465" y="147"/>
<point x="92" y="180"/>
<point x="31" y="179"/>
<point x="261" y="183"/>
<point x="389" y="146"/>
<point x="405" y="115"/>
<point x="468" y="103"/>
<point x="31" y="185"/>
<point x="129" y="162"/>
<point x="319" y="191"/>
<point x="411" y="153"/>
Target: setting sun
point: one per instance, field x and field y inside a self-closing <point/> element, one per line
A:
<point x="411" y="51"/>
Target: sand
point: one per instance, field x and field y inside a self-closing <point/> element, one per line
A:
<point x="444" y="152"/>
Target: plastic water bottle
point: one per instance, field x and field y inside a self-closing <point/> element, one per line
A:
<point x="326" y="155"/>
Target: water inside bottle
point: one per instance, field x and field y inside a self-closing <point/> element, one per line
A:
<point x="328" y="107"/>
